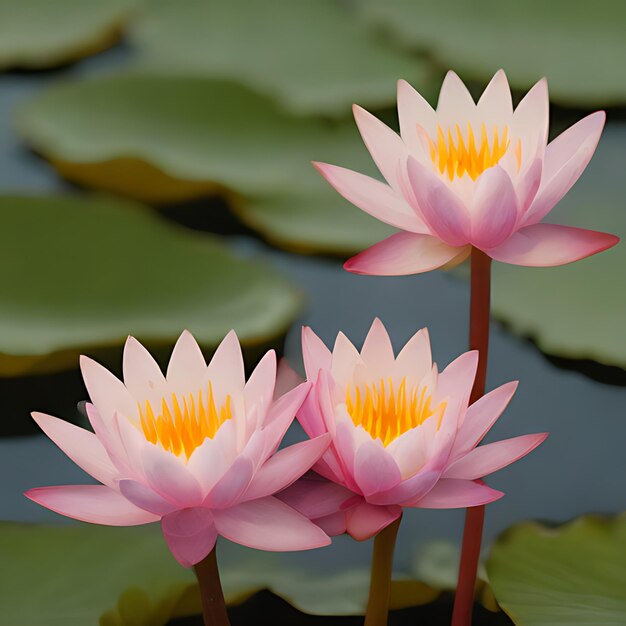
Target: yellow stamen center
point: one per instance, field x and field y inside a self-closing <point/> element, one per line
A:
<point x="181" y="425"/>
<point x="456" y="155"/>
<point x="386" y="413"/>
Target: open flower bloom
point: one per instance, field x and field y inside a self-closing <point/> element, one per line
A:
<point x="470" y="175"/>
<point x="195" y="449"/>
<point x="403" y="434"/>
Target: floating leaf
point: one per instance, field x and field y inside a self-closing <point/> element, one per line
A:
<point x="580" y="46"/>
<point x="315" y="222"/>
<point x="568" y="576"/>
<point x="79" y="275"/>
<point x="577" y="311"/>
<point x="86" y="574"/>
<point x="165" y="139"/>
<point x="314" y="57"/>
<point x="40" y="34"/>
<point x="79" y="575"/>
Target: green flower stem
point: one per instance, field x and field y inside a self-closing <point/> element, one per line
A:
<point x="380" y="582"/>
<point x="213" y="604"/>
<point x="474" y="516"/>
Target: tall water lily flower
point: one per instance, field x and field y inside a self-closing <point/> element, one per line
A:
<point x="403" y="434"/>
<point x="470" y="175"/>
<point x="195" y="449"/>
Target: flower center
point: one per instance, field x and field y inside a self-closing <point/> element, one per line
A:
<point x="456" y="155"/>
<point x="184" y="423"/>
<point x="386" y="413"/>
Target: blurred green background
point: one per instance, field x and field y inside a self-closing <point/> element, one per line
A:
<point x="155" y="175"/>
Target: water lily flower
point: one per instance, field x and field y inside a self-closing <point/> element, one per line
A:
<point x="402" y="433"/>
<point x="195" y="449"/>
<point x="470" y="174"/>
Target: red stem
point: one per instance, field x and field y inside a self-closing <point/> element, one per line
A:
<point x="213" y="605"/>
<point x="474" y="516"/>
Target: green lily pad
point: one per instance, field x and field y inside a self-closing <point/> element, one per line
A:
<point x="165" y="139"/>
<point x="577" y="311"/>
<point x="80" y="274"/>
<point x="79" y="575"/>
<point x="314" y="57"/>
<point x="40" y="34"/>
<point x="579" y="46"/>
<point x="86" y="574"/>
<point x="568" y="576"/>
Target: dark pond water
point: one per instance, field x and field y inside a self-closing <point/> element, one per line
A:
<point x="283" y="614"/>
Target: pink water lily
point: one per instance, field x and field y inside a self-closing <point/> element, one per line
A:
<point x="402" y="433"/>
<point x="195" y="449"/>
<point x="468" y="175"/>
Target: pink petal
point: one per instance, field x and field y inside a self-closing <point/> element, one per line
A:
<point x="315" y="354"/>
<point x="269" y="524"/>
<point x="456" y="381"/>
<point x="310" y="414"/>
<point x="495" y="208"/>
<point x="81" y="446"/>
<point x="315" y="497"/>
<point x="259" y="390"/>
<point x="386" y="148"/>
<point x="415" y="358"/>
<point x="286" y="378"/>
<point x="142" y="375"/>
<point x="231" y="486"/>
<point x="375" y="198"/>
<point x="168" y="476"/>
<point x="495" y="106"/>
<point x="450" y="493"/>
<point x="565" y="160"/>
<point x="402" y="254"/>
<point x="443" y="211"/>
<point x="455" y="101"/>
<point x="413" y="110"/>
<point x="333" y="524"/>
<point x="187" y="367"/>
<point x="226" y="369"/>
<point x="345" y="359"/>
<point x="108" y="394"/>
<point x="286" y="466"/>
<point x="374" y="469"/>
<point x="410" y="450"/>
<point x="527" y="186"/>
<point x="344" y="446"/>
<point x="109" y="437"/>
<point x="145" y="498"/>
<point x="491" y="457"/>
<point x="480" y="417"/>
<point x="530" y="121"/>
<point x="547" y="245"/>
<point x="266" y="440"/>
<point x="377" y="351"/>
<point x="366" y="520"/>
<point x="190" y="535"/>
<point x="209" y="462"/>
<point x="96" y="504"/>
<point x="411" y="489"/>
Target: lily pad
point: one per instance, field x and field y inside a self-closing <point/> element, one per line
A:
<point x="78" y="575"/>
<point x="314" y="57"/>
<point x="127" y="577"/>
<point x="579" y="46"/>
<point x="166" y="139"/>
<point x="39" y="34"/>
<point x="80" y="274"/>
<point x="568" y="576"/>
<point x="578" y="310"/>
